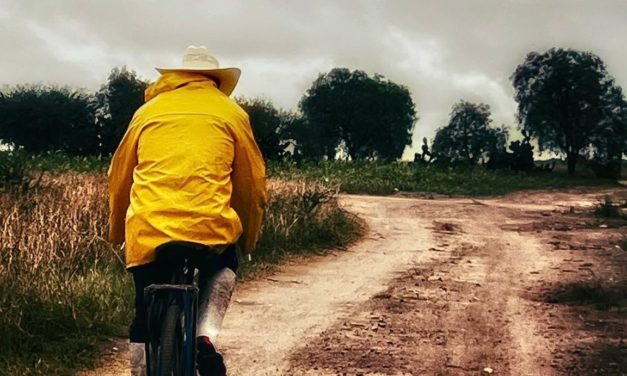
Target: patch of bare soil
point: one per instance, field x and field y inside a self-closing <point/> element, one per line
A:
<point x="114" y="359"/>
<point x="515" y="286"/>
<point x="586" y="292"/>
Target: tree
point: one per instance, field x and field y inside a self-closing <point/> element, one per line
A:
<point x="609" y="144"/>
<point x="562" y="99"/>
<point x="367" y="117"/>
<point x="117" y="101"/>
<point x="307" y="142"/>
<point x="468" y="136"/>
<point x="522" y="154"/>
<point x="46" y="118"/>
<point x="268" y="125"/>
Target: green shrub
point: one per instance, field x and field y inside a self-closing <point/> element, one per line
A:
<point x="13" y="168"/>
<point x="608" y="208"/>
<point x="302" y="217"/>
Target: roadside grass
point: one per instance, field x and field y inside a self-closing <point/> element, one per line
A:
<point x="595" y="293"/>
<point x="611" y="208"/>
<point x="64" y="289"/>
<point x="375" y="177"/>
<point x="59" y="162"/>
<point x="302" y="218"/>
<point x="388" y="178"/>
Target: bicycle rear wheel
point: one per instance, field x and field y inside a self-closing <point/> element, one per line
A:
<point x="170" y="342"/>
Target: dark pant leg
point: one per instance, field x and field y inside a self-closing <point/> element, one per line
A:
<point x="144" y="276"/>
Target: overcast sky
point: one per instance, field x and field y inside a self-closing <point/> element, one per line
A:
<point x="442" y="51"/>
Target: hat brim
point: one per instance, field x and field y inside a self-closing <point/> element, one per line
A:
<point x="227" y="77"/>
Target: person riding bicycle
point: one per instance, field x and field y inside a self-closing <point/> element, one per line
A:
<point x="187" y="169"/>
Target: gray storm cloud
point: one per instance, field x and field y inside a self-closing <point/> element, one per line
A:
<point x="442" y="50"/>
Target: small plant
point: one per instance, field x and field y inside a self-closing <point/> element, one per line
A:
<point x="13" y="169"/>
<point x="608" y="208"/>
<point x="596" y="293"/>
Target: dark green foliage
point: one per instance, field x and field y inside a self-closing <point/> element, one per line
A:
<point x="468" y="137"/>
<point x="42" y="118"/>
<point x="13" y="168"/>
<point x="268" y="125"/>
<point x="310" y="143"/>
<point x="117" y="101"/>
<point x="596" y="293"/>
<point x="57" y="163"/>
<point x="522" y="155"/>
<point x="608" y="208"/>
<point x="610" y="143"/>
<point x="365" y="117"/>
<point x="562" y="97"/>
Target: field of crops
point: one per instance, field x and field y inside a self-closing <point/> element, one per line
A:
<point x="389" y="178"/>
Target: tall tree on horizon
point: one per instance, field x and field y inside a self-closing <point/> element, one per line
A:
<point x="562" y="97"/>
<point x="468" y="137"/>
<point x="367" y="117"/>
<point x="116" y="102"/>
<point x="609" y="144"/>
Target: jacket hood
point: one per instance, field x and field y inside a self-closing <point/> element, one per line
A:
<point x="173" y="80"/>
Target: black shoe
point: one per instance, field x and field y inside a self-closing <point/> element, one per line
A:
<point x="209" y="361"/>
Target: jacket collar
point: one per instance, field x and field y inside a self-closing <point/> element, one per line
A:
<point x="174" y="80"/>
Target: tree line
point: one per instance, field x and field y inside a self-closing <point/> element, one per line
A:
<point x="567" y="103"/>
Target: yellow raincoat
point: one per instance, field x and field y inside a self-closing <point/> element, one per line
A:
<point x="188" y="168"/>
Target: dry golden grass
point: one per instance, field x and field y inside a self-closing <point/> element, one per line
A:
<point x="63" y="287"/>
<point x="63" y="223"/>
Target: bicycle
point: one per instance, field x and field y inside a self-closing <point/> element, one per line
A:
<point x="173" y="310"/>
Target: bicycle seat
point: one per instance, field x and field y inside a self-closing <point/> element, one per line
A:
<point x="176" y="252"/>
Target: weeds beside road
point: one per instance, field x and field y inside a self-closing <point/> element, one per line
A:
<point x="388" y="178"/>
<point x="369" y="177"/>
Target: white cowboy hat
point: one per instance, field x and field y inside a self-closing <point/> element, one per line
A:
<point x="199" y="60"/>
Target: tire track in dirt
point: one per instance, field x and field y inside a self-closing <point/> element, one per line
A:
<point x="466" y="314"/>
<point x="269" y="319"/>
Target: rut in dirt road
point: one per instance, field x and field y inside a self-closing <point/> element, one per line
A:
<point x="455" y="312"/>
<point x="496" y="295"/>
<point x="269" y="319"/>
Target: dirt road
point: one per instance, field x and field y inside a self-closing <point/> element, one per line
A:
<point x="527" y="284"/>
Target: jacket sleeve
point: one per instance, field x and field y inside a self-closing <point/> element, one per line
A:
<point x="249" y="186"/>
<point x="120" y="181"/>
